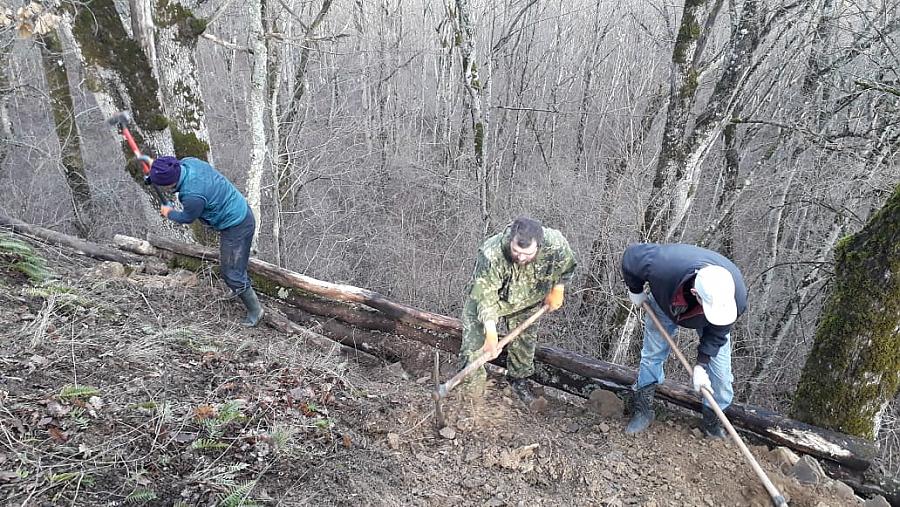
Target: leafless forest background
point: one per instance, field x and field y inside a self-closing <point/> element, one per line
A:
<point x="383" y="139"/>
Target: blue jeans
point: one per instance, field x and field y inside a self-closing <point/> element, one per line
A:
<point x="234" y="254"/>
<point x="656" y="350"/>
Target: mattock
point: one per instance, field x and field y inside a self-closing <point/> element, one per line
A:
<point x="121" y="120"/>
<point x="775" y="495"/>
<point x="442" y="390"/>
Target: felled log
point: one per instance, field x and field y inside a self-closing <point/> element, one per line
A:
<point x="80" y="246"/>
<point x="338" y="292"/>
<point x="556" y="367"/>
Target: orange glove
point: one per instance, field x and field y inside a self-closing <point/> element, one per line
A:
<point x="164" y="211"/>
<point x="554" y="298"/>
<point x="490" y="339"/>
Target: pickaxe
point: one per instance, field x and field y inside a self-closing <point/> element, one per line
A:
<point x="776" y="496"/>
<point x="121" y="120"/>
<point x="444" y="389"/>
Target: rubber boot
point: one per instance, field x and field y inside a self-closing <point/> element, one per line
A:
<point x="254" y="309"/>
<point x="711" y="426"/>
<point x="643" y="415"/>
<point x="523" y="391"/>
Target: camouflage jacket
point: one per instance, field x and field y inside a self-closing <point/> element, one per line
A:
<point x="499" y="287"/>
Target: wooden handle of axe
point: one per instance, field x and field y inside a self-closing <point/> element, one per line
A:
<point x="444" y="389"/>
<point x="775" y="495"/>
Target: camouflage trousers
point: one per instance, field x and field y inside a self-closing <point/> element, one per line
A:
<point x="520" y="352"/>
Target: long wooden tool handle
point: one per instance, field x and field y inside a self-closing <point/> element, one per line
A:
<point x="775" y="495"/>
<point x="445" y="388"/>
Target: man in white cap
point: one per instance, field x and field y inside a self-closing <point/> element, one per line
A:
<point x="690" y="287"/>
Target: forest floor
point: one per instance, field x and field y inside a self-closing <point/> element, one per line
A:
<point x="141" y="390"/>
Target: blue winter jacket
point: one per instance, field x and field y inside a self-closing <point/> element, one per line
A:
<point x="667" y="267"/>
<point x="209" y="196"/>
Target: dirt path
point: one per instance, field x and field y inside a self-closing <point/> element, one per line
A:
<point x="140" y="390"/>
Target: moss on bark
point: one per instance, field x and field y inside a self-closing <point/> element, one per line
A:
<point x="854" y="367"/>
<point x="105" y="43"/>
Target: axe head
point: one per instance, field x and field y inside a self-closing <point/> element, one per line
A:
<point x="121" y="119"/>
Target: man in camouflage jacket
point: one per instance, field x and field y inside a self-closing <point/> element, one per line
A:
<point x="515" y="272"/>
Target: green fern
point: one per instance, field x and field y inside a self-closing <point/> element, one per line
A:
<point x="65" y="477"/>
<point x="18" y="255"/>
<point x="239" y="496"/>
<point x="227" y="412"/>
<point x="70" y="391"/>
<point x="13" y="246"/>
<point x="208" y="444"/>
<point x="141" y="496"/>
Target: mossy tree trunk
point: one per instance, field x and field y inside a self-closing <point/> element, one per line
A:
<point x="121" y="77"/>
<point x="176" y="37"/>
<point x="853" y="371"/>
<point x="473" y="86"/>
<point x="63" y="112"/>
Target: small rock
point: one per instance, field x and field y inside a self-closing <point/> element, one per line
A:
<point x="397" y="370"/>
<point x="183" y="278"/>
<point x="605" y="403"/>
<point x="448" y="432"/>
<point x="572" y="427"/>
<point x="697" y="432"/>
<point x="876" y="501"/>
<point x="808" y="471"/>
<point x="154" y="267"/>
<point x="844" y="491"/>
<point x="603" y="427"/>
<point x="784" y="457"/>
<point x="393" y="441"/>
<point x="109" y="269"/>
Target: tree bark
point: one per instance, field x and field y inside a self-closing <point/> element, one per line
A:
<point x="6" y="44"/>
<point x="63" y="113"/>
<point x="182" y="96"/>
<point x="256" y="107"/>
<point x="122" y="78"/>
<point x="472" y="83"/>
<point x="853" y="370"/>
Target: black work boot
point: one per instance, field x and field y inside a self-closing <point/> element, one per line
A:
<point x="254" y="309"/>
<point x="711" y="425"/>
<point x="642" y="404"/>
<point x="523" y="391"/>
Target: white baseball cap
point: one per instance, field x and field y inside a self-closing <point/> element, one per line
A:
<point x="715" y="287"/>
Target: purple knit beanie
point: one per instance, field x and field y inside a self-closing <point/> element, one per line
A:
<point x="165" y="171"/>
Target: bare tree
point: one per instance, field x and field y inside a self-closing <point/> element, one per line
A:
<point x="256" y="108"/>
<point x="63" y="114"/>
<point x="472" y="84"/>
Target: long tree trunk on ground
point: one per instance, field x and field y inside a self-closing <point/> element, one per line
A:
<point x="853" y="371"/>
<point x="472" y="83"/>
<point x="63" y="113"/>
<point x="256" y="107"/>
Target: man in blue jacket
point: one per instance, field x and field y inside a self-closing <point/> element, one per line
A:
<point x="690" y="287"/>
<point x="206" y="194"/>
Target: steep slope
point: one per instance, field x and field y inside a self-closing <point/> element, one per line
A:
<point x="141" y="389"/>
